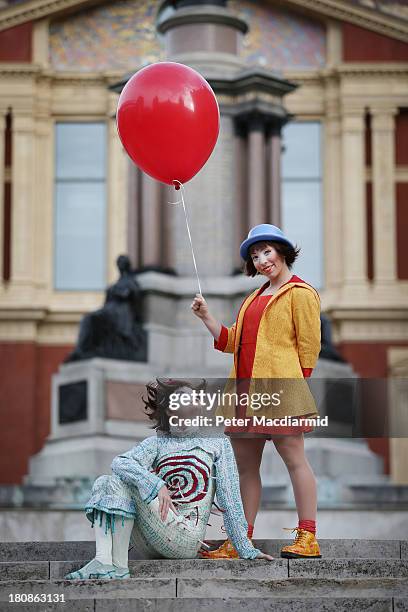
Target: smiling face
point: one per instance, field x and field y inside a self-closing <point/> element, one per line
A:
<point x="268" y="261"/>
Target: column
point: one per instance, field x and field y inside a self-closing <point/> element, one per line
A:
<point x="2" y="180"/>
<point x="211" y="206"/>
<point x="23" y="202"/>
<point x="241" y="190"/>
<point x="44" y="204"/>
<point x="41" y="54"/>
<point x="383" y="160"/>
<point x="133" y="214"/>
<point x="256" y="171"/>
<point x="334" y="42"/>
<point x="354" y="235"/>
<point x="275" y="146"/>
<point x="116" y="194"/>
<point x="167" y="194"/>
<point x="150" y="223"/>
<point x="332" y="190"/>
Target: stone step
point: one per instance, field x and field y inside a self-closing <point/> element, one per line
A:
<point x="206" y="569"/>
<point x="326" y="604"/>
<point x="331" y="549"/>
<point x="307" y="588"/>
<point x="218" y="588"/>
<point x="329" y="604"/>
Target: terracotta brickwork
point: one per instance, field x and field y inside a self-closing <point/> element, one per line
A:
<point x="360" y="45"/>
<point x="15" y="44"/>
<point x="25" y="395"/>
<point x="401" y="137"/>
<point x="402" y="230"/>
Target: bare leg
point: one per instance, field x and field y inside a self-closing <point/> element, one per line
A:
<point x="292" y="451"/>
<point x="248" y="455"/>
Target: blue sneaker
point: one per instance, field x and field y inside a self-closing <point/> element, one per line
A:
<point x="121" y="573"/>
<point x="93" y="569"/>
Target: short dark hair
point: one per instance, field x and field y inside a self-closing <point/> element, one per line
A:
<point x="287" y="252"/>
<point x="158" y="398"/>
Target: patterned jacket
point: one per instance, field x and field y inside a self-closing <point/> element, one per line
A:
<point x="180" y="464"/>
<point x="288" y="342"/>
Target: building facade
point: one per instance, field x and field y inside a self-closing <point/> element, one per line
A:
<point x="71" y="202"/>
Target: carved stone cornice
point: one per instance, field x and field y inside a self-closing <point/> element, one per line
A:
<point x="369" y="313"/>
<point x="300" y="77"/>
<point x="17" y="69"/>
<point x="104" y="78"/>
<point x="337" y="9"/>
<point x="36" y="9"/>
<point x="250" y="80"/>
<point x="343" y="10"/>
<point x="373" y="69"/>
<point x="369" y="324"/>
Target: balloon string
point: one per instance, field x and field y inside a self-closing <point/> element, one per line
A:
<point x="181" y="187"/>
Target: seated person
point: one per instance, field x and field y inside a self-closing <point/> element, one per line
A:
<point x="160" y="494"/>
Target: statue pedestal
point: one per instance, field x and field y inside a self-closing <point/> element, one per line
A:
<point x="97" y="413"/>
<point x="334" y="388"/>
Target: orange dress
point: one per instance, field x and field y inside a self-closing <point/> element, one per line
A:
<point x="246" y="357"/>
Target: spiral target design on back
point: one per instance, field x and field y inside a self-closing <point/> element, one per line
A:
<point x="186" y="477"/>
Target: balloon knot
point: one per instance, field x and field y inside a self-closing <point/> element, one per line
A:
<point x="177" y="187"/>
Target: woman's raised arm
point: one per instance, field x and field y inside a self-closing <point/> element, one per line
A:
<point x="200" y="308"/>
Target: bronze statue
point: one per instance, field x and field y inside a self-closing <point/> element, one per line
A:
<point x="115" y="331"/>
<point x="328" y="351"/>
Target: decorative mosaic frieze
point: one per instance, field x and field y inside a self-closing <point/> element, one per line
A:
<point x="281" y="39"/>
<point x="122" y="36"/>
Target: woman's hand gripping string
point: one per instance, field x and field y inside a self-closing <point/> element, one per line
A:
<point x="200" y="308"/>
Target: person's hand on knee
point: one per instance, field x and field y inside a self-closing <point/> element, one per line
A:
<point x="165" y="503"/>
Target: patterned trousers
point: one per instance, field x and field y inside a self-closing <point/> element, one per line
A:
<point x="178" y="537"/>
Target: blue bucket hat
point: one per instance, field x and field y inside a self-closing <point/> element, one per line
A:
<point x="262" y="233"/>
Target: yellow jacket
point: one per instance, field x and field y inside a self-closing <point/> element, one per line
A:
<point x="288" y="340"/>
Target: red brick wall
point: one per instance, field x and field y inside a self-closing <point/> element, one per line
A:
<point x="15" y="43"/>
<point x="49" y="360"/>
<point x="401" y="137"/>
<point x="401" y="159"/>
<point x="361" y="45"/>
<point x="17" y="397"/>
<point x="402" y="230"/>
<point x="25" y="396"/>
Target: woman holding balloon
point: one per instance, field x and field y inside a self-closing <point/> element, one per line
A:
<point x="168" y="122"/>
<point x="276" y="336"/>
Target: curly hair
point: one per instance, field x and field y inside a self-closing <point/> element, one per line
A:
<point x="158" y="398"/>
<point x="288" y="253"/>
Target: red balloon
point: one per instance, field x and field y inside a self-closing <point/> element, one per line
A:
<point x="168" y="121"/>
